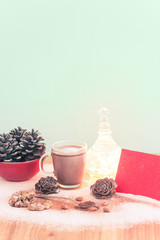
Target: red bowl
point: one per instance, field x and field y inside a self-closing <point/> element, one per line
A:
<point x="19" y="171"/>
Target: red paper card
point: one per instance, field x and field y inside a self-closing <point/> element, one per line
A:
<point x="139" y="173"/>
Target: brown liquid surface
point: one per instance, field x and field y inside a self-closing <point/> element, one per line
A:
<point x="69" y="164"/>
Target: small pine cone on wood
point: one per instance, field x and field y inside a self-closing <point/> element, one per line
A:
<point x="47" y="185"/>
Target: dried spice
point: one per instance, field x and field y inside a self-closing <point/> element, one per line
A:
<point x="47" y="185"/>
<point x="88" y="205"/>
<point x="104" y="188"/>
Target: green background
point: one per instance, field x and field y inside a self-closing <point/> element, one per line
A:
<point x="60" y="61"/>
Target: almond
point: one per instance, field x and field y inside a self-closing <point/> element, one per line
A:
<point x="105" y="209"/>
<point x="79" y="199"/>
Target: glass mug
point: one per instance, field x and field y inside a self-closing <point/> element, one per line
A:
<point x="68" y="159"/>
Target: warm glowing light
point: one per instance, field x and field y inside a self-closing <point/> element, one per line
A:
<point x="103" y="157"/>
<point x="99" y="165"/>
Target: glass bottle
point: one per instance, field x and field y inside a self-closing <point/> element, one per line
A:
<point x="103" y="157"/>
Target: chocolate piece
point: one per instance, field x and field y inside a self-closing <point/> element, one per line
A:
<point x="88" y="205"/>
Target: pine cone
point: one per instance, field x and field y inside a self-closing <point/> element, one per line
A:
<point x="32" y="145"/>
<point x="17" y="133"/>
<point x="9" y="149"/>
<point x="47" y="185"/>
<point x="104" y="188"/>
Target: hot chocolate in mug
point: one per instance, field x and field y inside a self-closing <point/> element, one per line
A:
<point x="68" y="159"/>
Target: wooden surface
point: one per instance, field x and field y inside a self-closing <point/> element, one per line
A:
<point x="14" y="230"/>
<point x="23" y="231"/>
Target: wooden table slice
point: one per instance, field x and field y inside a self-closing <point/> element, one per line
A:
<point x="24" y="229"/>
<point x="19" y="231"/>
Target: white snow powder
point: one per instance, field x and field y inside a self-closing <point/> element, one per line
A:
<point x="137" y="210"/>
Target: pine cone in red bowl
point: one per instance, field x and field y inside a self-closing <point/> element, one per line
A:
<point x="19" y="171"/>
<point x="104" y="188"/>
<point x="20" y="153"/>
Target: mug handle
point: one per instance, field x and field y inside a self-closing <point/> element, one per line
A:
<point x="41" y="163"/>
